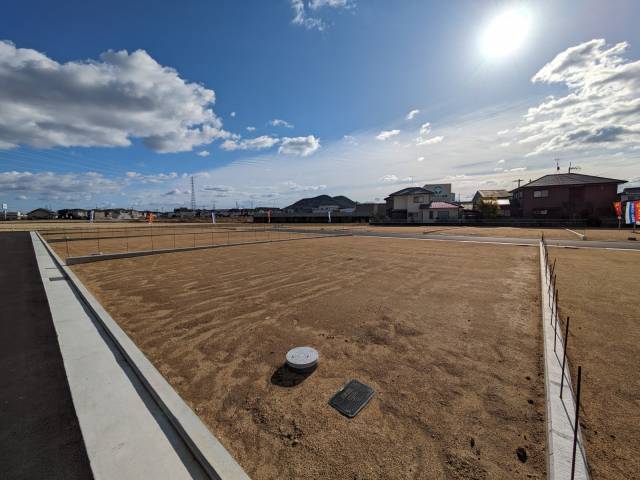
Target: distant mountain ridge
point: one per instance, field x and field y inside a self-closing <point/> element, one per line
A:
<point x="315" y="202"/>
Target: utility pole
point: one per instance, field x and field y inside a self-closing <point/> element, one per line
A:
<point x="519" y="180"/>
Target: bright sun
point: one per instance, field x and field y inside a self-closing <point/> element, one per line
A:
<point x="505" y="33"/>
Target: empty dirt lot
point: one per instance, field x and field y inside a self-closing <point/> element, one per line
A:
<point x="599" y="290"/>
<point x="447" y="336"/>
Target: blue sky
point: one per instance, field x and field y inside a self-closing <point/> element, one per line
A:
<point x="317" y="82"/>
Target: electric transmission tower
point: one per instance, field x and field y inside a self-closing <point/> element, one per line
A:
<point x="193" y="195"/>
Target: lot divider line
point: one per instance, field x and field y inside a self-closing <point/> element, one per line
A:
<point x="560" y="411"/>
<point x="582" y="237"/>
<point x="216" y="461"/>
<point x="489" y="242"/>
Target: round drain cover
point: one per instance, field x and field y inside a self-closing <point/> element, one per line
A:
<point x="302" y="358"/>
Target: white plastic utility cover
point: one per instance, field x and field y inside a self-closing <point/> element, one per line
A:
<point x="302" y="358"/>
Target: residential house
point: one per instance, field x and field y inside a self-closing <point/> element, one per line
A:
<point x="494" y="199"/>
<point x="73" y="214"/>
<point x="42" y="214"/>
<point x="566" y="195"/>
<point x="421" y="205"/>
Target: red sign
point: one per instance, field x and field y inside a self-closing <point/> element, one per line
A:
<point x="637" y="210"/>
<point x="618" y="207"/>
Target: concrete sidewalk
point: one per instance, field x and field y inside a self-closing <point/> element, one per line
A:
<point x="39" y="432"/>
<point x="126" y="433"/>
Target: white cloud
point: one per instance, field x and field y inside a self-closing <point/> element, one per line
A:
<point x="296" y="187"/>
<point x="425" y="130"/>
<point x="390" y="178"/>
<point x="258" y="143"/>
<point x="203" y="153"/>
<point x="251" y="129"/>
<point x="49" y="185"/>
<point x="386" y="134"/>
<point x="411" y="115"/>
<point x="233" y="114"/>
<point x="104" y="103"/>
<point x="350" y="139"/>
<point x="431" y="141"/>
<point x="277" y="122"/>
<point x="421" y="159"/>
<point x="301" y="15"/>
<point x="315" y="4"/>
<point x="221" y="191"/>
<point x="302" y="146"/>
<point x="501" y="160"/>
<point x="602" y="106"/>
<point x="22" y="197"/>
<point x="503" y="132"/>
<point x="175" y="191"/>
<point x="155" y="178"/>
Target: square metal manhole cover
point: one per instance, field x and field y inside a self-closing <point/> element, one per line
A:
<point x="351" y="398"/>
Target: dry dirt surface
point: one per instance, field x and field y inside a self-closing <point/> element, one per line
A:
<point x="448" y="335"/>
<point x="599" y="291"/>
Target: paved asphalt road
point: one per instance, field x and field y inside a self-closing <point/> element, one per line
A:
<point x="39" y="432"/>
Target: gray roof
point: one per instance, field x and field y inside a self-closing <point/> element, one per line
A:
<point x="560" y="179"/>
<point x="410" y="191"/>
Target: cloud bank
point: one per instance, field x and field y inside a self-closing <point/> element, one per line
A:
<point x="103" y="103"/>
<point x="601" y="109"/>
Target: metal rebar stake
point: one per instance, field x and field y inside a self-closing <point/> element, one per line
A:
<point x="564" y="355"/>
<point x="575" y="424"/>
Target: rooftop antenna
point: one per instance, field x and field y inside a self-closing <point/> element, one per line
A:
<point x="572" y="167"/>
<point x="557" y="165"/>
<point x="193" y="195"/>
<point x="519" y="180"/>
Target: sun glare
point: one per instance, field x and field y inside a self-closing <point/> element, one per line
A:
<point x="505" y="33"/>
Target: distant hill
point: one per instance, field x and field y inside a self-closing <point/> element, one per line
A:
<point x="315" y="202"/>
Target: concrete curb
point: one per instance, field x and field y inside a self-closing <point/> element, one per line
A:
<point x="205" y="447"/>
<point x="560" y="411"/>
<point x="143" y="253"/>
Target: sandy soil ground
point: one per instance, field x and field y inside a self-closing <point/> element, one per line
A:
<point x="119" y="241"/>
<point x="448" y="336"/>
<point x="598" y="289"/>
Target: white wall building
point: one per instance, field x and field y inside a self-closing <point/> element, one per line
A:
<point x="422" y="205"/>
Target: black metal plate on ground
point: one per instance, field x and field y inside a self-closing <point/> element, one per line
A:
<point x="351" y="398"/>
